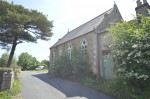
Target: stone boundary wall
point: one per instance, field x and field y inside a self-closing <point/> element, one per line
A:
<point x="1" y="77"/>
<point x="8" y="79"/>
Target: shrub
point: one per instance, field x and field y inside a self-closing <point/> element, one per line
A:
<point x="61" y="67"/>
<point x="131" y="44"/>
<point x="80" y="64"/>
<point x="33" y="67"/>
<point x="76" y="67"/>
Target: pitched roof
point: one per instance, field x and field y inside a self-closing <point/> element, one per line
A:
<point x="83" y="29"/>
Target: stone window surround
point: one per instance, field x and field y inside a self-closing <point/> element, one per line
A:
<point x="83" y="45"/>
<point x="69" y="50"/>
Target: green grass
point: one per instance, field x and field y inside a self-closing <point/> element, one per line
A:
<point x="116" y="88"/>
<point x="112" y="88"/>
<point x="4" y="69"/>
<point x="8" y="94"/>
<point x="99" y="85"/>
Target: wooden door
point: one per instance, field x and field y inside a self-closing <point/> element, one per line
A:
<point x="107" y="66"/>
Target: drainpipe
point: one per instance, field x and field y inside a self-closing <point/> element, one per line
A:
<point x="97" y="52"/>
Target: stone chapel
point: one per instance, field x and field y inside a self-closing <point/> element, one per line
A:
<point x="93" y="37"/>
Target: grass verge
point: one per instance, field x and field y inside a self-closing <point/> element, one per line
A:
<point x="9" y="94"/>
<point x="113" y="88"/>
<point x="116" y="88"/>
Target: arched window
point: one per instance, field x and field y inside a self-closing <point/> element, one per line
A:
<point x="69" y="50"/>
<point x="83" y="46"/>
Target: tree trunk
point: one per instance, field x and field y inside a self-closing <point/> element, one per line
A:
<point x="12" y="52"/>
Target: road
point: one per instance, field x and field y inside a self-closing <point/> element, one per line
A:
<point x="41" y="86"/>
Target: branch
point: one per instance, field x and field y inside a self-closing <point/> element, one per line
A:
<point x="33" y="32"/>
<point x="19" y="42"/>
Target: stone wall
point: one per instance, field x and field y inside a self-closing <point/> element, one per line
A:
<point x="76" y="43"/>
<point x="7" y="81"/>
<point x="1" y="78"/>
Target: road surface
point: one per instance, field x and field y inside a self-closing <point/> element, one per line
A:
<point x="41" y="86"/>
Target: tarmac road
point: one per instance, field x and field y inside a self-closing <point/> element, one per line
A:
<point x="41" y="86"/>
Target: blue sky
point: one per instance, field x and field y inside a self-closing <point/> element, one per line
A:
<point x="68" y="14"/>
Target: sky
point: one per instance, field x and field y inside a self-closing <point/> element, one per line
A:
<point x="68" y="15"/>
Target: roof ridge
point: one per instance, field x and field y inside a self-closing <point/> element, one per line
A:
<point x="91" y="20"/>
<point x="81" y="26"/>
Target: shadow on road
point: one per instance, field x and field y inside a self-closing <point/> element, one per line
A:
<point x="69" y="88"/>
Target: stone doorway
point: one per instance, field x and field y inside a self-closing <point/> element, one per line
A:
<point x="107" y="63"/>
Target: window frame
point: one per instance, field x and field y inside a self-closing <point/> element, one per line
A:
<point x="83" y="46"/>
<point x="69" y="49"/>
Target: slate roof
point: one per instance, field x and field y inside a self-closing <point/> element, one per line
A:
<point x="83" y="29"/>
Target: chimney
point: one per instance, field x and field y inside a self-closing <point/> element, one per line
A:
<point x="139" y="3"/>
<point x="144" y="1"/>
<point x="142" y="8"/>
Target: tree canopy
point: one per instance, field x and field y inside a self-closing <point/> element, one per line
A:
<point x="45" y="63"/>
<point x="4" y="59"/>
<point x="19" y="24"/>
<point x="26" y="61"/>
<point x="131" y="52"/>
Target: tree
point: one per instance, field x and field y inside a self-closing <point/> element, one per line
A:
<point x="24" y="60"/>
<point x="18" y="25"/>
<point x="131" y="44"/>
<point x="45" y="63"/>
<point x="27" y="61"/>
<point x="35" y="61"/>
<point x="4" y="59"/>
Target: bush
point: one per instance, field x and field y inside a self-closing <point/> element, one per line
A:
<point x="76" y="67"/>
<point x="117" y="88"/>
<point x="62" y="67"/>
<point x="33" y="67"/>
<point x="80" y="64"/>
<point x="131" y="44"/>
